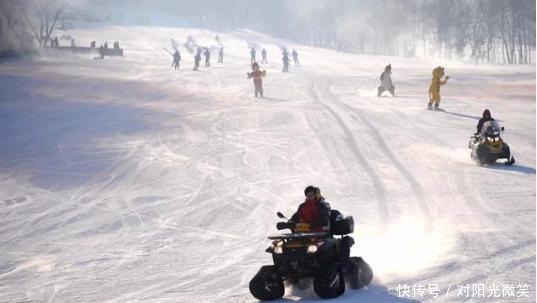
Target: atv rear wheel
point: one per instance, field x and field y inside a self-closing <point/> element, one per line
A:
<point x="359" y="274"/>
<point x="266" y="284"/>
<point x="330" y="283"/>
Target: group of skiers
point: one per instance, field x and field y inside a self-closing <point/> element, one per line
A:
<point x="197" y="58"/>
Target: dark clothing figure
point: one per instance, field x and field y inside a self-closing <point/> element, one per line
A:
<point x="221" y="55"/>
<point x="315" y="211"/>
<point x="257" y="75"/>
<point x="92" y="45"/>
<point x="295" y="57"/>
<point x="486" y="117"/>
<point x="252" y="55"/>
<point x="286" y="61"/>
<point x="197" y="60"/>
<point x="386" y="81"/>
<point x="105" y="45"/>
<point x="264" y="56"/>
<point x="176" y="59"/>
<point x="101" y="52"/>
<point x="207" y="55"/>
<point x="116" y="45"/>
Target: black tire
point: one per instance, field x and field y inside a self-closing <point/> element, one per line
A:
<point x="330" y="282"/>
<point x="266" y="285"/>
<point x="359" y="274"/>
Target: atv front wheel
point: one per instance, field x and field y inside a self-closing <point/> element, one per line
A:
<point x="330" y="283"/>
<point x="266" y="284"/>
<point x="359" y="274"/>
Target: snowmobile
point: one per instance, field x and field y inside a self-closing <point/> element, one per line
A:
<point x="302" y="254"/>
<point x="488" y="146"/>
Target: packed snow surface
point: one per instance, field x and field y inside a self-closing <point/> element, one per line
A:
<point x="122" y="180"/>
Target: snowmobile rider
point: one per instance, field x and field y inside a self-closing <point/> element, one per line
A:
<point x="486" y="117"/>
<point x="314" y="212"/>
<point x="386" y="81"/>
<point x="257" y="75"/>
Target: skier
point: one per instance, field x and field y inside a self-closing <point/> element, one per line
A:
<point x="105" y="45"/>
<point x="486" y="117"/>
<point x="386" y="81"/>
<point x="176" y="59"/>
<point x="207" y="55"/>
<point x="434" y="88"/>
<point x="295" y="57"/>
<point x="252" y="55"/>
<point x="257" y="75"/>
<point x="286" y="61"/>
<point x="197" y="60"/>
<point x="264" y="56"/>
<point x="221" y="55"/>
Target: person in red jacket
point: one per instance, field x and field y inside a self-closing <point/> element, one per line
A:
<point x="257" y="75"/>
<point x="314" y="211"/>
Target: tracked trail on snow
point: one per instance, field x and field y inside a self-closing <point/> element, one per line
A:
<point x="360" y="159"/>
<point x="416" y="187"/>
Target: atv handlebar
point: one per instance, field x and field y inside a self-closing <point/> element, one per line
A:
<point x="285" y="225"/>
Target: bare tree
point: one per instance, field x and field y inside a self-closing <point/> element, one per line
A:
<point x="43" y="17"/>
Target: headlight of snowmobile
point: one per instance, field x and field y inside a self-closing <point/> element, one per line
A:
<point x="312" y="249"/>
<point x="278" y="250"/>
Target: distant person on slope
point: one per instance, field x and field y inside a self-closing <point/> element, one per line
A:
<point x="386" y="81"/>
<point x="286" y="61"/>
<point x="207" y="54"/>
<point x="176" y="59"/>
<point x="264" y="56"/>
<point x="434" y="88"/>
<point x="221" y="55"/>
<point x="257" y="75"/>
<point x="197" y="60"/>
<point x="295" y="57"/>
<point x="252" y="55"/>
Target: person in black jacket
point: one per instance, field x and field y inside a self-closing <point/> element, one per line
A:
<point x="486" y="117"/>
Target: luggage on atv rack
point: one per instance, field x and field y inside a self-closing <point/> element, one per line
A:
<point x="340" y="225"/>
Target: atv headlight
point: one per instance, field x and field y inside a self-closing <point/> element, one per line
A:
<point x="312" y="249"/>
<point x="278" y="250"/>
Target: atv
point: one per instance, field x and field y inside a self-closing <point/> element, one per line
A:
<point x="303" y="254"/>
<point x="488" y="146"/>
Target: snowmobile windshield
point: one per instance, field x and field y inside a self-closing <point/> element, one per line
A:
<point x="490" y="129"/>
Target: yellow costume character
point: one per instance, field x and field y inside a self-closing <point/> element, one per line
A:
<point x="434" y="89"/>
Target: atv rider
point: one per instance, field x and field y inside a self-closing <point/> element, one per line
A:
<point x="257" y="75"/>
<point x="314" y="212"/>
<point x="386" y="81"/>
<point x="486" y="117"/>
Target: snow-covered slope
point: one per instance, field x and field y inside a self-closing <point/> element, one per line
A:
<point x="123" y="180"/>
